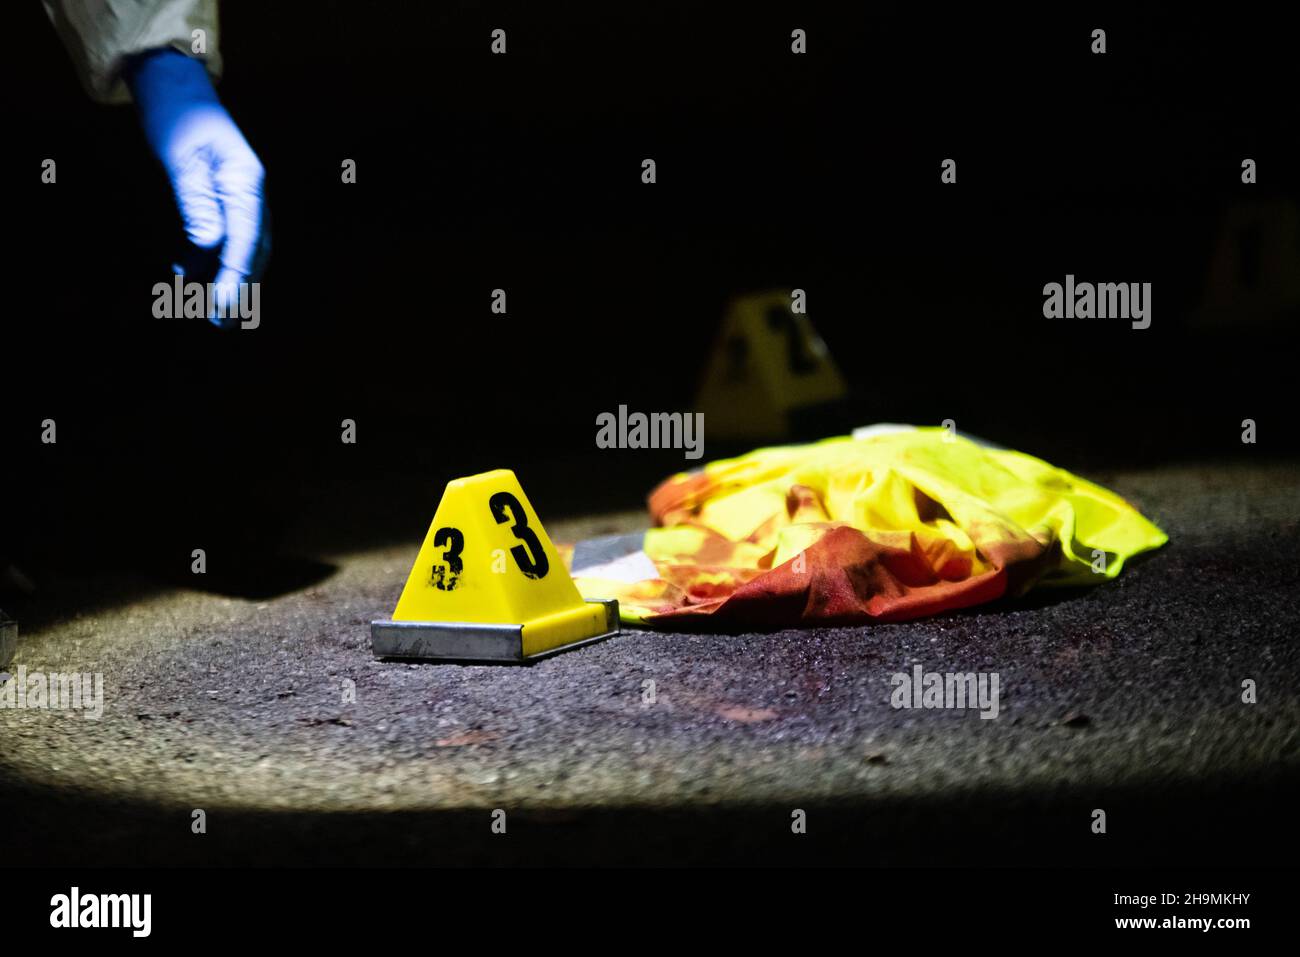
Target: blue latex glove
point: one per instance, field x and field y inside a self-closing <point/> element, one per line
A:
<point x="216" y="176"/>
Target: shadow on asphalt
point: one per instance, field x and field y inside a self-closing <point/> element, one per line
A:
<point x="1219" y="820"/>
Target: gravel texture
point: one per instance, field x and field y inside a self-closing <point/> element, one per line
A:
<point x="1126" y="698"/>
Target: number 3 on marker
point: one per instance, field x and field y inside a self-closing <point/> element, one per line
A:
<point x="446" y="577"/>
<point x="530" y="557"/>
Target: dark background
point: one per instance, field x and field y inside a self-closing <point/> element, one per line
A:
<point x="523" y="172"/>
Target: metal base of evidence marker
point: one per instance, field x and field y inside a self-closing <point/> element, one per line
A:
<point x="466" y="641"/>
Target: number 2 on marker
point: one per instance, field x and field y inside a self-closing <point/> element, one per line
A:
<point x="530" y="556"/>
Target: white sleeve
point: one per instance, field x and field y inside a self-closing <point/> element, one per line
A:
<point x="100" y="33"/>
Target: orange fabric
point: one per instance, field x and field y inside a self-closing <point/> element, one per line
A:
<point x="885" y="528"/>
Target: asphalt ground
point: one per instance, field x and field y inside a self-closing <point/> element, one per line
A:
<point x="1126" y="697"/>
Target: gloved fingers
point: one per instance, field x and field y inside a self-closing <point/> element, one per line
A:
<point x="227" y="288"/>
<point x="197" y="199"/>
<point x="238" y="176"/>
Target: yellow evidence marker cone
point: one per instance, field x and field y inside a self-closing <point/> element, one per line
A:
<point x="767" y="363"/>
<point x="488" y="584"/>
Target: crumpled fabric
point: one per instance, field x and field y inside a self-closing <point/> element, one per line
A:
<point x="101" y="34"/>
<point x="883" y="528"/>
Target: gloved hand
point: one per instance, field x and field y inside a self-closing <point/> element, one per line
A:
<point x="215" y="174"/>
